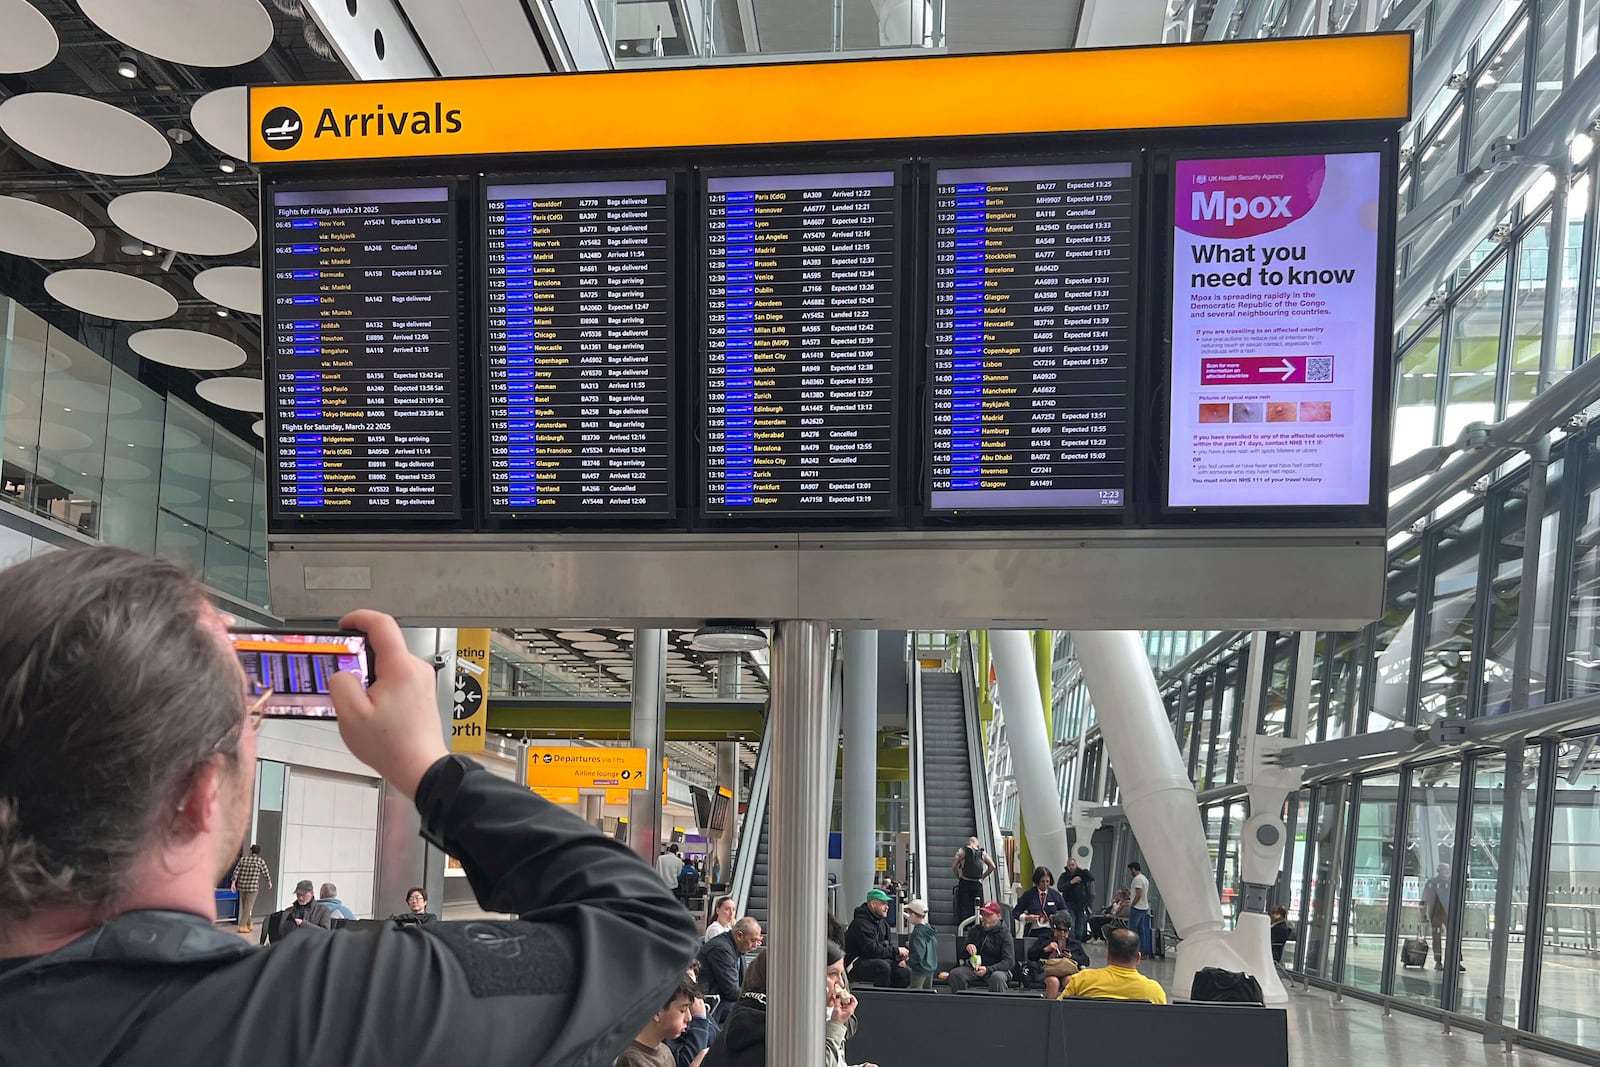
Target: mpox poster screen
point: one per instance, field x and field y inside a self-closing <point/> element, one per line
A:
<point x="1274" y="308"/>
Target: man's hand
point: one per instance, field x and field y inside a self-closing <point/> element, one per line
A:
<point x="393" y="727"/>
<point x="905" y="953"/>
<point x="299" y="922"/>
<point x="841" y="1006"/>
<point x="980" y="971"/>
<point x="972" y="950"/>
<point x="697" y="1008"/>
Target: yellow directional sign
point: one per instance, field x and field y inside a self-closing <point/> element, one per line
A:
<point x="622" y="768"/>
<point x="471" y="712"/>
<point x="557" y="795"/>
<point x="880" y="864"/>
<point x="616" y="796"/>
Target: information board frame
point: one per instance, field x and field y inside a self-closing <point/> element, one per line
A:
<point x="1125" y="514"/>
<point x="895" y="515"/>
<point x="489" y="520"/>
<point x="323" y="181"/>
<point x="1160" y="191"/>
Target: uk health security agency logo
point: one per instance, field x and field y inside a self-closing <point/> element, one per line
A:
<point x="281" y="128"/>
<point x="1241" y="198"/>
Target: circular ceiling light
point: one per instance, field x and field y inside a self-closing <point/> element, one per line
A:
<point x="182" y="223"/>
<point x="238" y="288"/>
<point x="111" y="294"/>
<point x="84" y="133"/>
<point x="30" y="41"/>
<point x="728" y="637"/>
<point x="222" y="118"/>
<point x="33" y="231"/>
<point x="189" y="349"/>
<point x="240" y="394"/>
<point x="199" y="33"/>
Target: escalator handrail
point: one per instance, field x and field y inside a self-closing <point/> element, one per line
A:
<point x="988" y="827"/>
<point x="744" y="866"/>
<point x="919" y="783"/>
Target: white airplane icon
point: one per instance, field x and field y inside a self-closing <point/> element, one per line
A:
<point x="288" y="129"/>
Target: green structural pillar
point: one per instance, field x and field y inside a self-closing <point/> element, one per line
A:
<point x="1044" y="660"/>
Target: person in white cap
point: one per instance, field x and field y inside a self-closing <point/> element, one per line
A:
<point x="924" y="945"/>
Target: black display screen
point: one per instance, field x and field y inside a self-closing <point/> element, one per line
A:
<point x="1032" y="336"/>
<point x="579" y="348"/>
<point x="801" y="333"/>
<point x="362" y="339"/>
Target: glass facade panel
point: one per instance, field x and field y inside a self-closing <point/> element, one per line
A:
<point x="1488" y="852"/>
<point x="1425" y="866"/>
<point x="1582" y="667"/>
<point x="1497" y="94"/>
<point x="25" y="340"/>
<point x="1446" y="664"/>
<point x="1473" y="359"/>
<point x="1416" y="397"/>
<point x="134" y="432"/>
<point x="1369" y="882"/>
<point x="1569" y="972"/>
<point x="1324" y="874"/>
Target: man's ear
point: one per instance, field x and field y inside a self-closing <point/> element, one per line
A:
<point x="200" y="806"/>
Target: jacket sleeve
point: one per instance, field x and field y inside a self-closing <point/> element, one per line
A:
<point x="1008" y="952"/>
<point x="598" y="946"/>
<point x="694" y="1040"/>
<point x="1040" y="945"/>
<point x="724" y="967"/>
<point x="862" y="941"/>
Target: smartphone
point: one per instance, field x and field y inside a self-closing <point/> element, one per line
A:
<point x="298" y="665"/>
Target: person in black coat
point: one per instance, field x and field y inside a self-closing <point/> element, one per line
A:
<point x="870" y="954"/>
<point x="722" y="964"/>
<point x="1041" y="902"/>
<point x="1077" y="888"/>
<point x="996" y="955"/>
<point x="1057" y="943"/>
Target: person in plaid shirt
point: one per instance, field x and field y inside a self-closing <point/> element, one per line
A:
<point x="247" y="877"/>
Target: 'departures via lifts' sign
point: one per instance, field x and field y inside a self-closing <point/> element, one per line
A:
<point x="588" y="768"/>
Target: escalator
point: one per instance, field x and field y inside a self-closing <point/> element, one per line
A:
<point x="952" y="801"/>
<point x="755" y="900"/>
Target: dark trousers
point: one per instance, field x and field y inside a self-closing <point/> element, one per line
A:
<point x="1080" y="920"/>
<point x="1139" y="923"/>
<point x="880" y="973"/>
<point x="967" y="896"/>
<point x="964" y="977"/>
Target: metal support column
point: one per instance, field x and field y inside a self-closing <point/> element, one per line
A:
<point x="798" y="838"/>
<point x="404" y="858"/>
<point x="1029" y="739"/>
<point x="727" y="779"/>
<point x="648" y="731"/>
<point x="859" y="804"/>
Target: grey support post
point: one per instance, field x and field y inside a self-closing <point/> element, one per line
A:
<point x="648" y="731"/>
<point x="404" y="858"/>
<point x="801" y="756"/>
<point x="859" y="804"/>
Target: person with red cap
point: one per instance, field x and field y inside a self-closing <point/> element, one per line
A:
<point x="991" y="955"/>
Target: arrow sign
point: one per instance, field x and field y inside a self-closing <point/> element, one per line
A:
<point x="1289" y="369"/>
<point x="1253" y="370"/>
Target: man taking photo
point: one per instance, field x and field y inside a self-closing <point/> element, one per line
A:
<point x="127" y="766"/>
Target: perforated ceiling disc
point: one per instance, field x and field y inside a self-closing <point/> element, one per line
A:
<point x="222" y="117"/>
<point x="238" y="288"/>
<point x="201" y="33"/>
<point x="182" y="222"/>
<point x="111" y="294"/>
<point x="29" y="41"/>
<point x="190" y="349"/>
<point x="84" y="133"/>
<point x="38" y="232"/>
<point x="240" y="394"/>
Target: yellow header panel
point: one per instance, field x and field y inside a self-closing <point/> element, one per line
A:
<point x="1245" y="83"/>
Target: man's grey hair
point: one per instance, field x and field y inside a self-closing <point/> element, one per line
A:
<point x="328" y="890"/>
<point x="747" y="927"/>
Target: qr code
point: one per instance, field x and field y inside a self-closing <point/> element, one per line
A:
<point x="1319" y="368"/>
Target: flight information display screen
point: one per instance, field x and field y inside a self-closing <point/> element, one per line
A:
<point x="801" y="333"/>
<point x="361" y="326"/>
<point x="1032" y="336"/>
<point x="579" y="348"/>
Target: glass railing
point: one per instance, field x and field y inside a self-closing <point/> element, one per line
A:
<point x="90" y="448"/>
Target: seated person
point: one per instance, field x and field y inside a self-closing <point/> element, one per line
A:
<point x="417" y="902"/>
<point x="328" y="897"/>
<point x="649" y="1047"/>
<point x="991" y="955"/>
<point x="305" y="910"/>
<point x="869" y="948"/>
<point x="1282" y="932"/>
<point x="689" y="1047"/>
<point x="1119" y="979"/>
<point x="1058" y="955"/>
<point x="722" y="965"/>
<point x="1114" y="913"/>
<point x="1038" y="905"/>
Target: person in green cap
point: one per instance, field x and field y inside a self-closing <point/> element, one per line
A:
<point x="870" y="953"/>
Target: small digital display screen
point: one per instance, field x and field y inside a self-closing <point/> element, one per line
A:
<point x="1274" y="331"/>
<point x="801" y="333"/>
<point x="297" y="668"/>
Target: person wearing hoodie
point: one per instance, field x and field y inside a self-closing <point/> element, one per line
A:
<point x="869" y="949"/>
<point x="924" y="958"/>
<point x="743" y="1041"/>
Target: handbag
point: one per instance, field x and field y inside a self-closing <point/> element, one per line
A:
<point x="1060" y="967"/>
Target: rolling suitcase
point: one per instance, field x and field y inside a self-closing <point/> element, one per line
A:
<point x="1414" y="953"/>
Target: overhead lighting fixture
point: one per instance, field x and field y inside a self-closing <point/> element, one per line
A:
<point x="226" y="165"/>
<point x="131" y="247"/>
<point x="222" y="313"/>
<point x="728" y="637"/>
<point x="147" y="250"/>
<point x="127" y="67"/>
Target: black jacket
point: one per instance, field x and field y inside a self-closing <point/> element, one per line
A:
<point x="600" y="944"/>
<point x="722" y="971"/>
<point x="1080" y="895"/>
<point x="696" y="1038"/>
<point x="1075" y="950"/>
<point x="743" y="1040"/>
<point x="868" y="938"/>
<point x="995" y="947"/>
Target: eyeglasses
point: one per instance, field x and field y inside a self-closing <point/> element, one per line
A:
<point x="258" y="695"/>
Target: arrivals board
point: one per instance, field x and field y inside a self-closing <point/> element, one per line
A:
<point x="1032" y="342"/>
<point x="579" y="348"/>
<point x="801" y="333"/>
<point x="364" y="390"/>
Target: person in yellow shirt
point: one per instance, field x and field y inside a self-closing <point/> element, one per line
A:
<point x="1119" y="979"/>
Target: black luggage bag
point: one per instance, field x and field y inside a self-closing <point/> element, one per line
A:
<point x="1217" y="986"/>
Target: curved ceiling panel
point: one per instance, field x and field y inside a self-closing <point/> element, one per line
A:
<point x="35" y="231"/>
<point x="189" y="349"/>
<point x="185" y="223"/>
<point x="240" y="394"/>
<point x="222" y="119"/>
<point x="84" y="133"/>
<point x="29" y="41"/>
<point x="111" y="294"/>
<point x="238" y="288"/>
<point x="201" y="33"/>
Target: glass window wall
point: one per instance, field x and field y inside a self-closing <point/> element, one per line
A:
<point x="1369" y="881"/>
<point x="1569" y="970"/>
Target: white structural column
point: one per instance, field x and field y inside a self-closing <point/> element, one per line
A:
<point x="404" y="858"/>
<point x="648" y="731"/>
<point x="802" y="753"/>
<point x="859" y="804"/>
<point x="1157" y="796"/>
<point x="1031" y="748"/>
